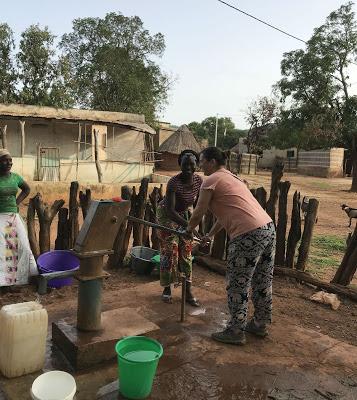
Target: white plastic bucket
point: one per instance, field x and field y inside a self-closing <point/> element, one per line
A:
<point x="54" y="385"/>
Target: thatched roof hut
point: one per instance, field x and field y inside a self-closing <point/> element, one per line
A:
<point x="181" y="140"/>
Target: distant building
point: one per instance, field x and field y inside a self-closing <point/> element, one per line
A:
<point x="164" y="131"/>
<point x="50" y="144"/>
<point x="169" y="150"/>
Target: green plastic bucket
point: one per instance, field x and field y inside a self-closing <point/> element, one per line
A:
<point x="138" y="357"/>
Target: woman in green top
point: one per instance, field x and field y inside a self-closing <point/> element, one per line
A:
<point x="16" y="259"/>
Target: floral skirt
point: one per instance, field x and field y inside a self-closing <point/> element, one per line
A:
<point x="17" y="262"/>
<point x="175" y="251"/>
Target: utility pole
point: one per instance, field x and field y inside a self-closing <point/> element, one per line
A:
<point x="215" y="135"/>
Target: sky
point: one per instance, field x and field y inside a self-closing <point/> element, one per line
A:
<point x="221" y="59"/>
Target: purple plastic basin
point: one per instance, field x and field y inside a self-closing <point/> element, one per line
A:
<point x="55" y="261"/>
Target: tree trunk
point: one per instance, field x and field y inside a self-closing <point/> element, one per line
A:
<point x="3" y="137"/>
<point x="96" y="157"/>
<point x="348" y="265"/>
<point x="276" y="175"/>
<point x="354" y="166"/>
<point x="116" y="259"/>
<point x="220" y="267"/>
<point x="84" y="201"/>
<point x="73" y="214"/>
<point x="140" y="204"/>
<point x="45" y="216"/>
<point x="31" y="230"/>
<point x="62" y="240"/>
<point x="282" y="222"/>
<point x="309" y="224"/>
<point x="295" y="231"/>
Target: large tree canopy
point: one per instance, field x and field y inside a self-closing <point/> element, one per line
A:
<point x="8" y="76"/>
<point x="112" y="65"/>
<point x="319" y="110"/>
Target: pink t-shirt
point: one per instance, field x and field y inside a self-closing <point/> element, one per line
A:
<point x="233" y="204"/>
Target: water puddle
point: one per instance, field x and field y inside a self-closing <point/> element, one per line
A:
<point x="199" y="311"/>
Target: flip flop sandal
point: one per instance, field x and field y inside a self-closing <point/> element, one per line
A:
<point x="166" y="298"/>
<point x="193" y="302"/>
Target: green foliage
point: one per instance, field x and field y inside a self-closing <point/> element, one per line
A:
<point x="111" y="65"/>
<point x="37" y="66"/>
<point x="227" y="135"/>
<point x="8" y="76"/>
<point x="315" y="86"/>
<point x="326" y="255"/>
<point x="261" y="116"/>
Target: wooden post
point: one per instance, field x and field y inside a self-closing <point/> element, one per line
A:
<point x="261" y="196"/>
<point x="78" y="147"/>
<point x="62" y="240"/>
<point x="45" y="216"/>
<point x="348" y="265"/>
<point x="154" y="199"/>
<point x="84" y="201"/>
<point x="219" y="245"/>
<point x="22" y="127"/>
<point x="3" y="130"/>
<point x="73" y="214"/>
<point x="140" y="203"/>
<point x="31" y="230"/>
<point x="310" y="222"/>
<point x="295" y="231"/>
<point x="282" y="222"/>
<point x="96" y="157"/>
<point x="116" y="259"/>
<point x="146" y="229"/>
<point x="276" y="175"/>
<point x="207" y="222"/>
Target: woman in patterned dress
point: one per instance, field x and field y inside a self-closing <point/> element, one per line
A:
<point x="16" y="260"/>
<point x="175" y="251"/>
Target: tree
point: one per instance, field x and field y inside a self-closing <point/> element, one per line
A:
<point x="8" y="76"/>
<point x="111" y="65"/>
<point x="316" y="83"/>
<point x="37" y="66"/>
<point x="227" y="134"/>
<point x="261" y="115"/>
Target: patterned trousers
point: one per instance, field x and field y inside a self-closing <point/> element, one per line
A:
<point x="251" y="265"/>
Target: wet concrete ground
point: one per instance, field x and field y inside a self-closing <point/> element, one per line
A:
<point x="293" y="363"/>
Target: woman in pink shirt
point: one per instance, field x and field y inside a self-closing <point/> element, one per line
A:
<point x="251" y="249"/>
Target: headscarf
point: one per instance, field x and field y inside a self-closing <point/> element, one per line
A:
<point x="4" y="152"/>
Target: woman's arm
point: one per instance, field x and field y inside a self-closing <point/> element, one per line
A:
<point x="25" y="191"/>
<point x="214" y="230"/>
<point x="171" y="211"/>
<point x="200" y="210"/>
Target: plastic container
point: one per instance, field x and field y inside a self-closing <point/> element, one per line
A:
<point x="54" y="385"/>
<point x="138" y="357"/>
<point x="55" y="261"/>
<point x="141" y="259"/>
<point x="23" y="336"/>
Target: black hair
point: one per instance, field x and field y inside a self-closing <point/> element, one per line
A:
<point x="192" y="152"/>
<point x="214" y="153"/>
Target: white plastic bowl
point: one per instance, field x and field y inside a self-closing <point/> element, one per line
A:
<point x="54" y="385"/>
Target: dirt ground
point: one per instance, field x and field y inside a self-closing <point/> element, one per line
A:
<point x="293" y="313"/>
